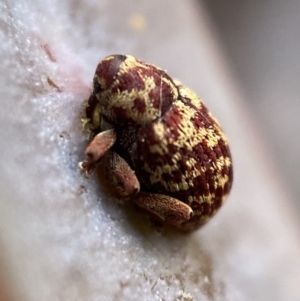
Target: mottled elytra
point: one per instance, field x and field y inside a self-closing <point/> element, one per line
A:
<point x="161" y="147"/>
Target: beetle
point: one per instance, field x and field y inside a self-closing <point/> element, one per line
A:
<point x="161" y="147"/>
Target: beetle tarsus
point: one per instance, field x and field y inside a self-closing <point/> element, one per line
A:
<point x="87" y="168"/>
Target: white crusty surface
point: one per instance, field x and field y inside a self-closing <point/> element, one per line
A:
<point x="62" y="236"/>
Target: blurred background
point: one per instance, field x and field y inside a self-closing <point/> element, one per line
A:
<point x="261" y="39"/>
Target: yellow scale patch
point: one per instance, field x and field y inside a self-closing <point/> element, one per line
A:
<point x="131" y="63"/>
<point x="186" y="129"/>
<point x="220" y="181"/>
<point x="162" y="148"/>
<point x="196" y="101"/>
<point x="186" y="179"/>
<point x="125" y="99"/>
<point x="189" y="94"/>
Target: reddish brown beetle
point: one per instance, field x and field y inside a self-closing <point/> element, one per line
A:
<point x="161" y="146"/>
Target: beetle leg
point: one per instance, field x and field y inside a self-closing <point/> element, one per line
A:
<point x="166" y="208"/>
<point x="96" y="149"/>
<point x="121" y="176"/>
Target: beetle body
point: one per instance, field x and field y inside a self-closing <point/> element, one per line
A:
<point x="166" y="151"/>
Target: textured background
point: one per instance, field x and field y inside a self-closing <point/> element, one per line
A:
<point x="62" y="236"/>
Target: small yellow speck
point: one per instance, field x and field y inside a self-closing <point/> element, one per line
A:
<point x="137" y="22"/>
<point x="84" y="122"/>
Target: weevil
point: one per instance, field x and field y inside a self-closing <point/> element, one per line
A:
<point x="161" y="147"/>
